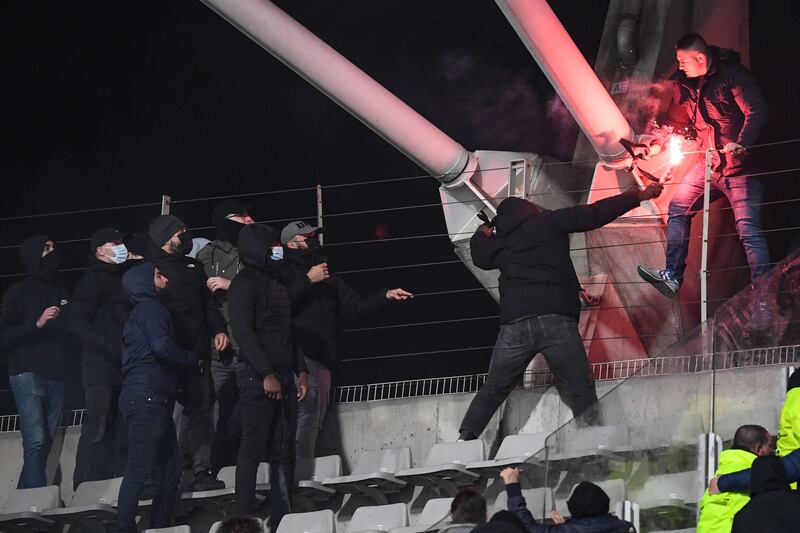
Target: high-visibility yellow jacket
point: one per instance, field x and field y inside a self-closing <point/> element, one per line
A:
<point x="789" y="426"/>
<point x="717" y="510"/>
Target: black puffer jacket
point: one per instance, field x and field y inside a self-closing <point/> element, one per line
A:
<point x="772" y="508"/>
<point x="260" y="311"/>
<point x="531" y="249"/>
<point x="49" y="351"/>
<point x="97" y="312"/>
<point x="730" y="102"/>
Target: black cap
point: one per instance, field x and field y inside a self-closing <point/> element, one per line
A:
<point x="587" y="499"/>
<point x="298" y="227"/>
<point x="104" y="235"/>
<point x="163" y="227"/>
<point x="227" y="207"/>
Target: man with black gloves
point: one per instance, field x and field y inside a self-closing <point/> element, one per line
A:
<point x="261" y="321"/>
<point x="151" y="365"/>
<point x="220" y="260"/>
<point x="539" y="304"/>
<point x="716" y="100"/>
<point x="319" y="303"/>
<point x="97" y="312"/>
<point x="196" y="320"/>
<point x="37" y="342"/>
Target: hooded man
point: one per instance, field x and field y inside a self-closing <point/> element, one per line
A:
<point x="197" y="321"/>
<point x="717" y="510"/>
<point x="539" y="299"/>
<point x="773" y="507"/>
<point x="269" y="360"/>
<point x="37" y="342"/>
<point x="716" y="100"/>
<point x="98" y="310"/>
<point x="319" y="304"/>
<point x="220" y="260"/>
<point x="588" y="507"/>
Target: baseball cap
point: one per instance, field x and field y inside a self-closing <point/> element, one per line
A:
<point x="104" y="235"/>
<point x="298" y="227"/>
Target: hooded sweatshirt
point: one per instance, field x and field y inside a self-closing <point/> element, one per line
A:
<point x="530" y="247"/>
<point x="717" y="510"/>
<point x="46" y="351"/>
<point x="151" y="359"/>
<point x="773" y="508"/>
<point x="260" y="311"/>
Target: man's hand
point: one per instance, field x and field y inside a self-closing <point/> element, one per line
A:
<point x="272" y="387"/>
<point x="713" y="487"/>
<point x="302" y="386"/>
<point x="318" y="273"/>
<point x="398" y="294"/>
<point x="48" y="314"/>
<point x="218" y="282"/>
<point x="651" y="191"/>
<point x="220" y="342"/>
<point x="510" y="475"/>
<point x="733" y="148"/>
<point x="486" y="229"/>
<point x="557" y="518"/>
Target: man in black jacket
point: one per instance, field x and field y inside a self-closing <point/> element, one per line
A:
<point x="319" y="303"/>
<point x="773" y="506"/>
<point x="197" y="321"/>
<point x="261" y="320"/>
<point x="97" y="312"/>
<point x="716" y="99"/>
<point x="37" y="343"/>
<point x="539" y="299"/>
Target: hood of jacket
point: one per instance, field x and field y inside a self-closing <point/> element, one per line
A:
<point x="138" y="283"/>
<point x="511" y="213"/>
<point x="30" y="251"/>
<point x="587" y="500"/>
<point x="767" y="474"/>
<point x="255" y="244"/>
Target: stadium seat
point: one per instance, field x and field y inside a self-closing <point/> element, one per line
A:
<point x="539" y="502"/>
<point x="173" y="529"/>
<point x="513" y="451"/>
<point x="92" y="502"/>
<point x="665" y="432"/>
<point x="313" y="522"/>
<point x="615" y="488"/>
<point x="435" y="512"/>
<point x="378" y="518"/>
<point x="22" y="511"/>
<point x="445" y="467"/>
<point x="374" y="474"/>
<point x="670" y="490"/>
<point x="309" y="475"/>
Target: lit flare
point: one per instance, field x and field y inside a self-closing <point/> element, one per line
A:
<point x="674" y="150"/>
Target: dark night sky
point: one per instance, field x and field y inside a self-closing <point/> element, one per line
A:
<point x="114" y="103"/>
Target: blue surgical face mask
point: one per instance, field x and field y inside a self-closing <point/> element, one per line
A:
<point x="277" y="253"/>
<point x="119" y="253"/>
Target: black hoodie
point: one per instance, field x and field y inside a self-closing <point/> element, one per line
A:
<point x="46" y="351"/>
<point x="260" y="311"/>
<point x="772" y="508"/>
<point x="531" y="249"/>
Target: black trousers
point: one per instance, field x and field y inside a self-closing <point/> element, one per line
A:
<point x="197" y="397"/>
<point x="103" y="444"/>
<point x="268" y="434"/>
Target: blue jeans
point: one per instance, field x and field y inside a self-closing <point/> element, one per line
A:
<point x="745" y="197"/>
<point x="152" y="446"/>
<point x="40" y="401"/>
<point x="557" y="338"/>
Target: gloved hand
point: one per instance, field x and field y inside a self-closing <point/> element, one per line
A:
<point x="485" y="219"/>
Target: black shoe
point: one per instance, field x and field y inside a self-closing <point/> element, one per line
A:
<point x="205" y="480"/>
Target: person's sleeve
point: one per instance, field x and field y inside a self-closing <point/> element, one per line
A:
<point x="735" y="482"/>
<point x="300" y="364"/>
<point x="592" y="216"/>
<point x="242" y="299"/>
<point x="517" y="505"/>
<point x="482" y="250"/>
<point x="161" y="342"/>
<point x="298" y="285"/>
<point x="13" y="332"/>
<point x="750" y="100"/>
<point x="353" y="306"/>
<point x="214" y="317"/>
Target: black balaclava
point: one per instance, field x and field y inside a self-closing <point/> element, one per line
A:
<point x="186" y="243"/>
<point x="227" y="229"/>
<point x="587" y="500"/>
<point x="38" y="267"/>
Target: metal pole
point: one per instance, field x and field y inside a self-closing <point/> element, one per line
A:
<point x="165" y="203"/>
<point x="704" y="287"/>
<point x="319" y="213"/>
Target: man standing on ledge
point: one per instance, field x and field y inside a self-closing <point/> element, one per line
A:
<point x="539" y="299"/>
<point x="716" y="97"/>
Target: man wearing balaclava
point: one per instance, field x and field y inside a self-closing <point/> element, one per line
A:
<point x="220" y="260"/>
<point x="97" y="312"/>
<point x="36" y="340"/>
<point x="198" y="323"/>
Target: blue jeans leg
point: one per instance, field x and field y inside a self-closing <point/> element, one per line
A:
<point x="40" y="402"/>
<point x="684" y="205"/>
<point x="745" y="196"/>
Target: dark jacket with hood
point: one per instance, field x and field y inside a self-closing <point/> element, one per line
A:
<point x="151" y="359"/>
<point x="319" y="309"/>
<point x="260" y="310"/>
<point x="97" y="312"/>
<point x="772" y="508"/>
<point x="531" y="248"/>
<point x="47" y="351"/>
<point x="588" y="506"/>
<point x="727" y="99"/>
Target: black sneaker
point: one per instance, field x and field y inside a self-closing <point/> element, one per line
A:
<point x="205" y="480"/>
<point x="663" y="280"/>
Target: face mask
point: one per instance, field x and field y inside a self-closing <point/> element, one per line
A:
<point x="119" y="254"/>
<point x="185" y="247"/>
<point x="277" y="253"/>
<point x="49" y="265"/>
